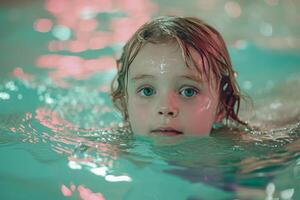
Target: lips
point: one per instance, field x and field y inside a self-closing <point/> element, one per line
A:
<point x="167" y="131"/>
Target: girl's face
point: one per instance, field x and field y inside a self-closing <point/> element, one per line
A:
<point x="166" y="97"/>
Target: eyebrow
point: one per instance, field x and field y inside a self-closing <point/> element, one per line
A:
<point x="192" y="77"/>
<point x="142" y="76"/>
<point x="147" y="76"/>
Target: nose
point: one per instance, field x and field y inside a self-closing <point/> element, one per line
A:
<point x="167" y="104"/>
<point x="168" y="112"/>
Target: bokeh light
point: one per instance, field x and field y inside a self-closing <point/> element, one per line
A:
<point x="43" y="25"/>
<point x="233" y="9"/>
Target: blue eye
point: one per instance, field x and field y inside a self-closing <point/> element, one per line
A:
<point x="146" y="91"/>
<point x="188" y="92"/>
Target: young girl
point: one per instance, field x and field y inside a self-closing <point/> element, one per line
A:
<point x="175" y="77"/>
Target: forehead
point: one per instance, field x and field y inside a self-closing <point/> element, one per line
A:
<point x="162" y="55"/>
<point x="151" y="51"/>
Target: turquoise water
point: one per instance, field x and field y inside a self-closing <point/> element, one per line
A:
<point x="52" y="108"/>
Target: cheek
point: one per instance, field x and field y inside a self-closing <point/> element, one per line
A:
<point x="138" y="114"/>
<point x="199" y="117"/>
<point x="138" y="109"/>
<point x="203" y="106"/>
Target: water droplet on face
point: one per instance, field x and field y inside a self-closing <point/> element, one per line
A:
<point x="163" y="66"/>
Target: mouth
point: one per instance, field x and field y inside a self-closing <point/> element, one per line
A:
<point x="167" y="132"/>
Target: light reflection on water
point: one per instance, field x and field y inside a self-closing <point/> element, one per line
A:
<point x="51" y="113"/>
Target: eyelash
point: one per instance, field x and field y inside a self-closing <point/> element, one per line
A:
<point x="184" y="87"/>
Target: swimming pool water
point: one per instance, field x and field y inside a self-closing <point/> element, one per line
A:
<point x="54" y="100"/>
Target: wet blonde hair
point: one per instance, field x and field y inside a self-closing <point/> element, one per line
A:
<point x="188" y="32"/>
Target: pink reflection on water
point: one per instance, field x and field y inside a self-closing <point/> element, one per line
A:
<point x="68" y="20"/>
<point x="43" y="25"/>
<point x="137" y="7"/>
<point x="88" y="25"/>
<point x="66" y="191"/>
<point x="47" y="61"/>
<point x="77" y="46"/>
<point x="52" y="120"/>
<point x="139" y="11"/>
<point x="61" y="150"/>
<point x="123" y="28"/>
<point x="87" y="194"/>
<point x="82" y="191"/>
<point x="100" y="40"/>
<point x="19" y="73"/>
<point x="83" y="35"/>
<point x="89" y="33"/>
<point x="56" y="6"/>
<point x="79" y="16"/>
<point x="55" y="45"/>
<point x="71" y="12"/>
<point x="74" y="66"/>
